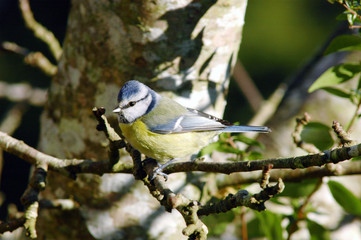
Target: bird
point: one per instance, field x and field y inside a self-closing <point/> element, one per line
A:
<point x="165" y="130"/>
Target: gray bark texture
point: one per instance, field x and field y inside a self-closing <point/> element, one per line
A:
<point x="183" y="49"/>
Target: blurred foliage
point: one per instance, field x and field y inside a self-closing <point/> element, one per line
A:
<point x="317" y="231"/>
<point x="270" y="225"/>
<point x="352" y="12"/>
<point x="269" y="63"/>
<point x="276" y="42"/>
<point x="217" y="223"/>
<point x="318" y="134"/>
<point x="345" y="198"/>
<point x="227" y="144"/>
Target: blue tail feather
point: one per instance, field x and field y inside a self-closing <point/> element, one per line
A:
<point x="236" y="128"/>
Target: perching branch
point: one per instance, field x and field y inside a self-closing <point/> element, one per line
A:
<point x="68" y="167"/>
<point x="76" y="166"/>
<point x="319" y="159"/>
<point x="10" y="123"/>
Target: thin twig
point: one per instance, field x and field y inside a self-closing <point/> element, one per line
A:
<point x="39" y="30"/>
<point x="265" y="176"/>
<point x="344" y="137"/>
<point x="297" y="175"/>
<point x="13" y="118"/>
<point x="243" y="198"/>
<point x="296" y="135"/>
<point x="10" y="123"/>
<point x="30" y="199"/>
<point x="35" y="59"/>
<point x="15" y="223"/>
<point x="23" y="92"/>
<point x="267" y="110"/>
<point x="244" y="224"/>
<point x="12" y="224"/>
<point x="248" y="88"/>
<point x="301" y="211"/>
<point x="354" y="116"/>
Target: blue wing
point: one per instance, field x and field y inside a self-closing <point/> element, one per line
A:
<point x="171" y="117"/>
<point x="196" y="121"/>
<point x="190" y="121"/>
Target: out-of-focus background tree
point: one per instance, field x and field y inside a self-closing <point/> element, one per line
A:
<point x="279" y="38"/>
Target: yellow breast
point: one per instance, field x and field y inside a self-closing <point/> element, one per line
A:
<point x="164" y="146"/>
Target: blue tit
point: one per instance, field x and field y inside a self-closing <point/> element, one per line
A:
<point x="163" y="129"/>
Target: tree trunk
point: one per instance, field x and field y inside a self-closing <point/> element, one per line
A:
<point x="184" y="49"/>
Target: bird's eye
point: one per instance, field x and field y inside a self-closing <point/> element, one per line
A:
<point x="132" y="103"/>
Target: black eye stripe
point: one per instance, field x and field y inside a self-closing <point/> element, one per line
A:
<point x="132" y="103"/>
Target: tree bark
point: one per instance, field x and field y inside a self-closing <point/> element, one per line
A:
<point x="183" y="49"/>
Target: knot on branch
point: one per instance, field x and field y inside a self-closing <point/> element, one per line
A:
<point x="266" y="173"/>
<point x="344" y="137"/>
<point x="243" y="198"/>
<point x="267" y="193"/>
<point x="296" y="135"/>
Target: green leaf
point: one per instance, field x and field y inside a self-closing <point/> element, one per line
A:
<point x="228" y="149"/>
<point x="344" y="43"/>
<point x="337" y="92"/>
<point x="253" y="229"/>
<point x="356" y="158"/>
<point x="246" y="140"/>
<point x="336" y="75"/>
<point x="270" y="225"/>
<point x="219" y="146"/>
<point x="341" y="17"/>
<point x="209" y="148"/>
<point x="359" y="84"/>
<point x="297" y="190"/>
<point x="351" y="18"/>
<point x="317" y="231"/>
<point x="317" y="134"/>
<point x="217" y="223"/>
<point x="345" y="198"/>
<point x="253" y="156"/>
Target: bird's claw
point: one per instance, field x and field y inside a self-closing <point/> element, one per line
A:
<point x="159" y="172"/>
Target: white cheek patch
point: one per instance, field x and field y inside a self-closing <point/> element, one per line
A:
<point x="138" y="110"/>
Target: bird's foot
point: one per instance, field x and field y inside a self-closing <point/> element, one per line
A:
<point x="159" y="170"/>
